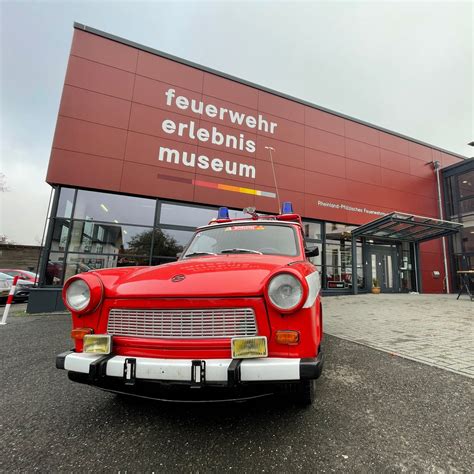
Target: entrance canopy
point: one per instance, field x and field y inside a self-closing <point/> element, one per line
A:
<point x="401" y="227"/>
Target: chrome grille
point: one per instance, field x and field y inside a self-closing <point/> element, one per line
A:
<point x="182" y="323"/>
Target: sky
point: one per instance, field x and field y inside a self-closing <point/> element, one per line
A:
<point x="405" y="66"/>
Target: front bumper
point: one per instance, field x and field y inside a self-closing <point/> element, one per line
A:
<point x="113" y="372"/>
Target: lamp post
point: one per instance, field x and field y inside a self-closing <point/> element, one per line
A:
<point x="436" y="167"/>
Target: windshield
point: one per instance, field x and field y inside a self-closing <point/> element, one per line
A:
<point x="244" y="238"/>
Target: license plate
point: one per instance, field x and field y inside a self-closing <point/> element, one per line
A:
<point x="249" y="347"/>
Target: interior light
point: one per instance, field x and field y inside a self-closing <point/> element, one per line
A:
<point x="104" y="207"/>
<point x="125" y="232"/>
<point x="116" y="221"/>
<point x="465" y="181"/>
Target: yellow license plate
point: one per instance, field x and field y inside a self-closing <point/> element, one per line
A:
<point x="249" y="347"/>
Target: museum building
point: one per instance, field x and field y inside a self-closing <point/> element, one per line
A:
<point x="147" y="147"/>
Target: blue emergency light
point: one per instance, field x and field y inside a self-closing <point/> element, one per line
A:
<point x="223" y="213"/>
<point x="287" y="208"/>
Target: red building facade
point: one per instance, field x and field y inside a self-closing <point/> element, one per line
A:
<point x="137" y="122"/>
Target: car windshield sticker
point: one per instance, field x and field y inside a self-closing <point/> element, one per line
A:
<point x="245" y="227"/>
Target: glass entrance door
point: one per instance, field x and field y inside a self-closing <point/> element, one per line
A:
<point x="383" y="266"/>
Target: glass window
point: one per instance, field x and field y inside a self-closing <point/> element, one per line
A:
<point x="466" y="208"/>
<point x="312" y="230"/>
<point x="467" y="238"/>
<point x="338" y="278"/>
<point x="54" y="269"/>
<point x="339" y="231"/>
<point x="190" y="216"/>
<point x="466" y="184"/>
<point x="169" y="242"/>
<point x="66" y="199"/>
<point x="60" y="234"/>
<point x="338" y="246"/>
<point x="266" y="239"/>
<point x="109" y="238"/>
<point x="115" y="208"/>
<point x="338" y="253"/>
<point x="174" y="214"/>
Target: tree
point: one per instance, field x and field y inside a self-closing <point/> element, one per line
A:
<point x="163" y="244"/>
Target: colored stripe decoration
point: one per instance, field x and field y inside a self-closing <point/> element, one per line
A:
<point x="222" y="187"/>
<point x="234" y="189"/>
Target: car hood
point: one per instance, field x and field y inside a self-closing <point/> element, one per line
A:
<point x="220" y="276"/>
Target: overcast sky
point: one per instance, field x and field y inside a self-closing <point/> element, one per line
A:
<point x="405" y="66"/>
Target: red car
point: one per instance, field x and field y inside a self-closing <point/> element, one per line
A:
<point x="23" y="274"/>
<point x="237" y="316"/>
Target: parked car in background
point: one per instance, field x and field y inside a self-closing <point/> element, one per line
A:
<point x="23" y="274"/>
<point x="22" y="291"/>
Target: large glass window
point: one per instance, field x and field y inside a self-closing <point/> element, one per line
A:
<point x="105" y="207"/>
<point x="175" y="214"/>
<point x="110" y="230"/>
<point x="459" y="196"/>
<point x="92" y="237"/>
<point x="460" y="207"/>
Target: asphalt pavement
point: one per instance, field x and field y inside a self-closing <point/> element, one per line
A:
<point x="375" y="412"/>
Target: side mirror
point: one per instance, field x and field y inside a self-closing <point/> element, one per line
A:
<point x="311" y="252"/>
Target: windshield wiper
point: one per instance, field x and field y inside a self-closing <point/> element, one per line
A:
<point x="240" y="251"/>
<point x="198" y="254"/>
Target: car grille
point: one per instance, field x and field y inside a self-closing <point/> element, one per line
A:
<point x="182" y="323"/>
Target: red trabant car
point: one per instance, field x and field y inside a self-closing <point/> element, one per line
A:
<point x="237" y="316"/>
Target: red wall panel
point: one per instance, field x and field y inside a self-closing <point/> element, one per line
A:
<point x="318" y="119"/>
<point x="171" y="72"/>
<point x="93" y="107"/>
<point x="104" y="51"/>
<point x="280" y="107"/>
<point x="91" y="138"/>
<point x="97" y="77"/>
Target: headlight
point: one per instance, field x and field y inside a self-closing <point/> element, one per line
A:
<point x="78" y="295"/>
<point x="83" y="294"/>
<point x="285" y="292"/>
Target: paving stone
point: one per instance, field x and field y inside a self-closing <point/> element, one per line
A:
<point x="434" y="329"/>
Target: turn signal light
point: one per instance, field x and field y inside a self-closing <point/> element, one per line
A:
<point x="287" y="337"/>
<point x="79" y="333"/>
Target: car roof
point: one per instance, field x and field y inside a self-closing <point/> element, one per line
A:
<point x="234" y="222"/>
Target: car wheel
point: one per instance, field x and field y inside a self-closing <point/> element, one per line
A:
<point x="303" y="393"/>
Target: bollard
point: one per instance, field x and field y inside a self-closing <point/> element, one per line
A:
<point x="9" y="301"/>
